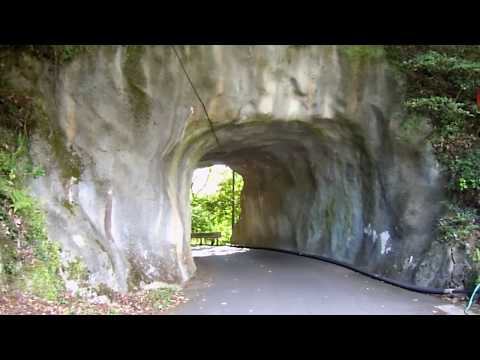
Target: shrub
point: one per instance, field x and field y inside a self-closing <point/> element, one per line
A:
<point x="459" y="225"/>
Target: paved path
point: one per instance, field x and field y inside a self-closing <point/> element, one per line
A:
<point x="233" y="281"/>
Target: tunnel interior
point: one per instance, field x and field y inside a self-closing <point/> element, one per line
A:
<point x="331" y="187"/>
<point x="308" y="187"/>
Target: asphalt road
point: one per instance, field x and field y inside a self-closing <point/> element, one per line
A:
<point x="233" y="281"/>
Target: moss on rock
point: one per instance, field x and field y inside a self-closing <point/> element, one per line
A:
<point x="76" y="270"/>
<point x="362" y="53"/>
<point x="57" y="54"/>
<point x="69" y="162"/>
<point x="140" y="102"/>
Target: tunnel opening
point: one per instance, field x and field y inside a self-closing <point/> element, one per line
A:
<point x="307" y="185"/>
<point x="319" y="187"/>
<point x="215" y="205"/>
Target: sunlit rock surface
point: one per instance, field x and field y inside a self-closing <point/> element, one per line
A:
<point x="315" y="131"/>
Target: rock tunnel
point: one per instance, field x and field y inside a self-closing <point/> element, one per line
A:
<point x="315" y="131"/>
<point x="316" y="188"/>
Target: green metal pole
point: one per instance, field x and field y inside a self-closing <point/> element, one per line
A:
<point x="233" y="202"/>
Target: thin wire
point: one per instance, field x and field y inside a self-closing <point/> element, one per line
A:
<point x="196" y="93"/>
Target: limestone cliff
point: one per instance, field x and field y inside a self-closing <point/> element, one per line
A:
<point x="314" y="131"/>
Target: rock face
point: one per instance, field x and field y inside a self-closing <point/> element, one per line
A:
<point x="314" y="130"/>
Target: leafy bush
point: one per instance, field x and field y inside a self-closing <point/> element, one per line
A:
<point x="43" y="281"/>
<point x="436" y="62"/>
<point x="439" y="106"/>
<point x="30" y="260"/>
<point x="22" y="216"/>
<point x="58" y="54"/>
<point x="466" y="171"/>
<point x="76" y="270"/>
<point x="450" y="116"/>
<point x="459" y="225"/>
<point x="440" y="88"/>
<point x="441" y="83"/>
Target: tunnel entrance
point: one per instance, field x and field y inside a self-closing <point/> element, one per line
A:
<point x="294" y="196"/>
<point x="316" y="187"/>
<point x="215" y="204"/>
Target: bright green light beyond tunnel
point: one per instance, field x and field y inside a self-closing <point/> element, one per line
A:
<point x="215" y="200"/>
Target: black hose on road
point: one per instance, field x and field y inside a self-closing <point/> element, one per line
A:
<point x="363" y="272"/>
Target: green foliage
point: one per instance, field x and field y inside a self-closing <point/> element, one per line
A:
<point x="76" y="270"/>
<point x="455" y="68"/>
<point x="17" y="111"/>
<point x="20" y="114"/>
<point x="459" y="225"/>
<point x="58" y="54"/>
<point x="23" y="114"/>
<point x="450" y="116"/>
<point x="43" y="281"/>
<point x="466" y="171"/>
<point x="441" y="81"/>
<point x="160" y="298"/>
<point x="30" y="260"/>
<point x="439" y="106"/>
<point x="15" y="168"/>
<point x="363" y="52"/>
<point x="411" y="126"/>
<point x="451" y="71"/>
<point x="69" y="206"/>
<point x="9" y="265"/>
<point x="476" y="255"/>
<point x="69" y="162"/>
<point x="213" y="213"/>
<point x="41" y="276"/>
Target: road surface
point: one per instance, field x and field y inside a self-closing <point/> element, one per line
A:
<point x="232" y="281"/>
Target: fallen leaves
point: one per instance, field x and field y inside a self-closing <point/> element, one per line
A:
<point x="18" y="303"/>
